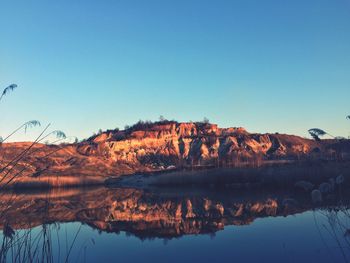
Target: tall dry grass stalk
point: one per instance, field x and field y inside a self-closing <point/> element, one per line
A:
<point x="8" y="173"/>
<point x="24" y="247"/>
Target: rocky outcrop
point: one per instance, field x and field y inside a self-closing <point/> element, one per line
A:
<point x="173" y="143"/>
<point x="161" y="146"/>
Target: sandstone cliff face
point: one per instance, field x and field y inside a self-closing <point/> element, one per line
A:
<point x="161" y="146"/>
<point x="193" y="144"/>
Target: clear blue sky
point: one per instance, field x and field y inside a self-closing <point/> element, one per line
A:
<point x="269" y="66"/>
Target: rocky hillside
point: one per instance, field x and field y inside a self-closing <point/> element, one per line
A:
<point x="172" y="144"/>
<point x="165" y="145"/>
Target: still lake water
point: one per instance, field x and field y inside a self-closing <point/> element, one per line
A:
<point x="129" y="225"/>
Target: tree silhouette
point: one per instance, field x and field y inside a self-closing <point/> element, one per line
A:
<point x="316" y="133"/>
<point x="205" y="120"/>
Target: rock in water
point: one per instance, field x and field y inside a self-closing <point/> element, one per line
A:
<point x="316" y="196"/>
<point x="325" y="188"/>
<point x="304" y="185"/>
<point x="339" y="179"/>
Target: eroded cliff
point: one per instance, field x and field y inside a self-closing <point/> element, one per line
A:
<point x="160" y="146"/>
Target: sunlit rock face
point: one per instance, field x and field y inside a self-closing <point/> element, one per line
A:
<point x="170" y="143"/>
<point x="140" y="213"/>
<point x="161" y="146"/>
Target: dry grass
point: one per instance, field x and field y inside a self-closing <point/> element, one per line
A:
<point x="54" y="181"/>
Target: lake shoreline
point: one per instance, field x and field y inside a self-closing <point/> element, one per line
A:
<point x="281" y="175"/>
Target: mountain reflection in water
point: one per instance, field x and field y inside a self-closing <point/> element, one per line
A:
<point x="163" y="214"/>
<point x="144" y="214"/>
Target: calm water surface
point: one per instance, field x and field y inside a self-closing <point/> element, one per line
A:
<point x="128" y="225"/>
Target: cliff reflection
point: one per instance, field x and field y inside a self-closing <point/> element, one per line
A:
<point x="145" y="214"/>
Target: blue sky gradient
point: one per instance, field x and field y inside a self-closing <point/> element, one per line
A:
<point x="269" y="66"/>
